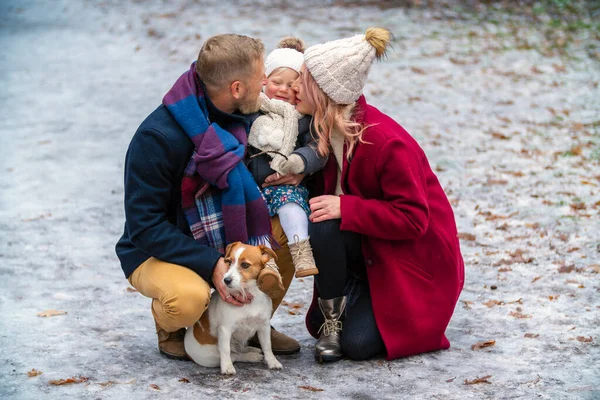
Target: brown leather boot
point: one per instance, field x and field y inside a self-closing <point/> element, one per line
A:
<point x="280" y="344"/>
<point x="328" y="346"/>
<point x="170" y="344"/>
<point x="269" y="280"/>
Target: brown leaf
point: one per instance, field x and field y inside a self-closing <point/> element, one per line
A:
<point x="475" y="381"/>
<point x="131" y="290"/>
<point x="184" y="380"/>
<point x="505" y="269"/>
<point x="519" y="315"/>
<point x="467" y="304"/>
<point x="583" y="339"/>
<point x="481" y="345"/>
<point x="418" y="70"/>
<point x="537" y="278"/>
<point x="450" y="380"/>
<point x="155" y="387"/>
<point x="74" y="379"/>
<point x="493" y="303"/>
<point x="578" y="206"/>
<point x="295" y="305"/>
<point x="532" y="335"/>
<point x="51" y="313"/>
<point x="496" y="182"/>
<point x="536" y="70"/>
<point x="34" y="372"/>
<point x="572" y="249"/>
<point x="312" y="389"/>
<point x="466" y="236"/>
<point x="566" y="269"/>
<point x="292" y="312"/>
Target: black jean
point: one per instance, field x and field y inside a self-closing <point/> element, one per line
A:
<point x="339" y="258"/>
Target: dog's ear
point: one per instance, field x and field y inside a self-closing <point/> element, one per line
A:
<point x="266" y="254"/>
<point x="229" y="247"/>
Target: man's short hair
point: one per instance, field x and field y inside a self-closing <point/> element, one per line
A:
<point x="227" y="58"/>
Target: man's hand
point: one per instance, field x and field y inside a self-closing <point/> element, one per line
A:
<point x="324" y="207"/>
<point x="217" y="279"/>
<point x="277" y="179"/>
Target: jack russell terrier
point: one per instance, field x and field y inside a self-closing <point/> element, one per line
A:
<point x="221" y="334"/>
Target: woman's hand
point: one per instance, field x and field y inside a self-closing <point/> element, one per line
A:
<point x="325" y="207"/>
<point x="277" y="179"/>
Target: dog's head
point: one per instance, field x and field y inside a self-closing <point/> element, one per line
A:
<point x="245" y="263"/>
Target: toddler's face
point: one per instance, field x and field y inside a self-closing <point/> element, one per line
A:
<point x="279" y="85"/>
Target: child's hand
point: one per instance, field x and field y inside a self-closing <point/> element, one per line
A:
<point x="293" y="165"/>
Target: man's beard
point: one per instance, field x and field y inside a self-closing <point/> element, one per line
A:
<point x="249" y="106"/>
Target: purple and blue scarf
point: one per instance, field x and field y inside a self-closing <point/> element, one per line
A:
<point x="220" y="199"/>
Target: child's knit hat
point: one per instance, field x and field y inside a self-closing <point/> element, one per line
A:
<point x="289" y="55"/>
<point x="340" y="67"/>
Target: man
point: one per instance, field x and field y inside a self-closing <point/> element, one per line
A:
<point x="162" y="257"/>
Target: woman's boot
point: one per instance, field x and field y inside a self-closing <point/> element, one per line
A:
<point x="328" y="346"/>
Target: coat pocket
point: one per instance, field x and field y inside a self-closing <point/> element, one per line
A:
<point x="415" y="269"/>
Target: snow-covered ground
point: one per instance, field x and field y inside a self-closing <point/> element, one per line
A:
<point x="513" y="133"/>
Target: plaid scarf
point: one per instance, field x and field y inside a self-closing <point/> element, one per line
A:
<point x="220" y="199"/>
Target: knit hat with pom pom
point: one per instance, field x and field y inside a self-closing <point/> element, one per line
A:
<point x="340" y="67"/>
<point x="289" y="55"/>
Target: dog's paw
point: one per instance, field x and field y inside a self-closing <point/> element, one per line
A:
<point x="251" y="349"/>
<point x="274" y="364"/>
<point x="228" y="369"/>
<point x="253" y="357"/>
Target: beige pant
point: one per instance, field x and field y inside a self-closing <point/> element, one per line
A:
<point x="180" y="296"/>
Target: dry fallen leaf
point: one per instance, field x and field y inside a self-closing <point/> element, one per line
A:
<point x="184" y="380"/>
<point x="51" y="313"/>
<point x="536" y="279"/>
<point x="155" y="387"/>
<point x="312" y="389"/>
<point x="583" y="339"/>
<point x="532" y="335"/>
<point x="418" y="70"/>
<point x="74" y="379"/>
<point x="34" y="372"/>
<point x="519" y="315"/>
<point x="467" y="304"/>
<point x="481" y="345"/>
<point x="475" y="381"/>
<point x="466" y="236"/>
<point x="492" y="303"/>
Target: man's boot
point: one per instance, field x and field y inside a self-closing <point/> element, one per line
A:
<point x="302" y="256"/>
<point x="269" y="280"/>
<point x="328" y="346"/>
<point x="170" y="344"/>
<point x="280" y="344"/>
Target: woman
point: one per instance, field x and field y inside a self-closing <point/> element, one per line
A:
<point x="382" y="229"/>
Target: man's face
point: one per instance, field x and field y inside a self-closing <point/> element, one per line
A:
<point x="250" y="102"/>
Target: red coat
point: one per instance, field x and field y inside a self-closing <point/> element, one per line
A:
<point x="410" y="242"/>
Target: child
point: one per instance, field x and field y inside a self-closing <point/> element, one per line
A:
<point x="280" y="141"/>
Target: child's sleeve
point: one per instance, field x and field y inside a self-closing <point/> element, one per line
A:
<point x="306" y="147"/>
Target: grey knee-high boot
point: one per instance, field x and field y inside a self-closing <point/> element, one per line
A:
<point x="328" y="346"/>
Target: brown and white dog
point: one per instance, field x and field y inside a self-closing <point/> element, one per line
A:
<point x="221" y="334"/>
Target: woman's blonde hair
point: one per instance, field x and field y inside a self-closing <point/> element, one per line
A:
<point x="328" y="115"/>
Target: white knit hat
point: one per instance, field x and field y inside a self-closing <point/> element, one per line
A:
<point x="278" y="58"/>
<point x="340" y="67"/>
